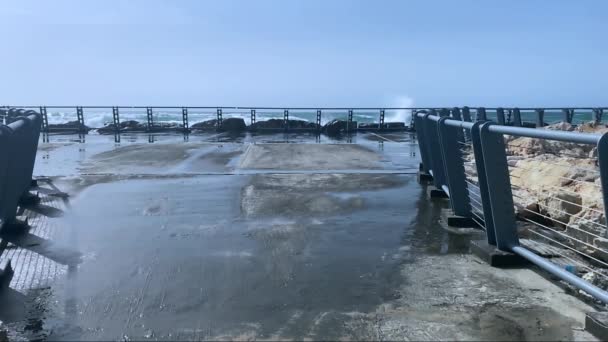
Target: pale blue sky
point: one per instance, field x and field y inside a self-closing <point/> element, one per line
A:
<point x="304" y="52"/>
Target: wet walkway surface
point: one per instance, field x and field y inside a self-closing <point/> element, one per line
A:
<point x="261" y="237"/>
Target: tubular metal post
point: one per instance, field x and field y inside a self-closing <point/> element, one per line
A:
<point x="566" y="115"/>
<point x="540" y="117"/>
<point x="456" y="113"/>
<point x="80" y="116"/>
<point x="517" y="117"/>
<point x="571" y="115"/>
<point x="421" y="121"/>
<point x="499" y="186"/>
<point x="500" y="115"/>
<point x="466" y="114"/>
<point x="45" y="119"/>
<point x="350" y="120"/>
<point x="597" y="115"/>
<point x="149" y="118"/>
<point x="450" y="139"/>
<point x="482" y="182"/>
<point x="432" y="137"/>
<point x="116" y="118"/>
<point x="602" y="153"/>
<point x="381" y="124"/>
<point x="252" y="116"/>
<point x="286" y="119"/>
<point x="219" y="118"/>
<point x="185" y="124"/>
<point x="481" y="114"/>
<point x="318" y="119"/>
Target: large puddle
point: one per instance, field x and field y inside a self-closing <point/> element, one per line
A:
<point x="171" y="253"/>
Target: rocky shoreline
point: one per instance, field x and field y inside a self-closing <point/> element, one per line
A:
<point x="231" y="125"/>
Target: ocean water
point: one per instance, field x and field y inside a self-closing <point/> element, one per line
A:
<point x="96" y="118"/>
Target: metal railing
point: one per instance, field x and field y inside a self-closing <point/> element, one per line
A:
<point x="18" y="146"/>
<point x="150" y="118"/>
<point x="524" y="185"/>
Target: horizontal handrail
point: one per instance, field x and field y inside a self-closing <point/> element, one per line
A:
<point x="448" y="142"/>
<point x="295" y="108"/>
<point x="574" y="137"/>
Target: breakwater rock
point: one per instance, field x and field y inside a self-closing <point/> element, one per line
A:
<point x="557" y="184"/>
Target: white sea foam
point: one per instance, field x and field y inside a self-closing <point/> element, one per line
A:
<point x="403" y="115"/>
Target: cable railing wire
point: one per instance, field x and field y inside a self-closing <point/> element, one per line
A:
<point x="481" y="161"/>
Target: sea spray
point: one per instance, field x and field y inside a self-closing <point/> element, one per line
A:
<point x="401" y="115"/>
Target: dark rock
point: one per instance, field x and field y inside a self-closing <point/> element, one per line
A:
<point x="233" y="125"/>
<point x="337" y="127"/>
<point x="132" y="125"/>
<point x="69" y="126"/>
<point x="107" y="129"/>
<point x="368" y="125"/>
<point x="268" y="124"/>
<point x="205" y="125"/>
<point x="301" y="124"/>
<point x="125" y="126"/>
<point x="394" y="125"/>
<point x="165" y="126"/>
<point x="277" y="124"/>
<point x="388" y="125"/>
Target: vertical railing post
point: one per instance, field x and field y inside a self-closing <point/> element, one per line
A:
<point x="286" y="120"/>
<point x="420" y="123"/>
<point x="451" y="140"/>
<point x="116" y="118"/>
<point x="517" y="117"/>
<point x="456" y="113"/>
<point x="602" y="153"/>
<point x="381" y="124"/>
<point x="482" y="115"/>
<point x="185" y="124"/>
<point x="437" y="168"/>
<point x="568" y="115"/>
<point x="219" y="118"/>
<point x="80" y="117"/>
<point x="349" y="121"/>
<point x="318" y="119"/>
<point x="482" y="182"/>
<point x="500" y="115"/>
<point x="540" y="117"/>
<point x="499" y="188"/>
<point x="252" y="116"/>
<point x="597" y="115"/>
<point x="466" y="114"/>
<point x="45" y="119"/>
<point x="149" y="118"/>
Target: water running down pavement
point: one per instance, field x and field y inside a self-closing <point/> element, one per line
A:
<point x="263" y="237"/>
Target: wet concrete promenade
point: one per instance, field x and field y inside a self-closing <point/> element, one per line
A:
<point x="260" y="237"/>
